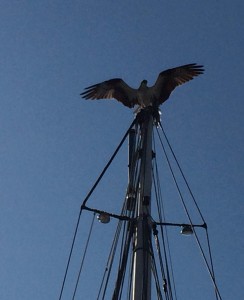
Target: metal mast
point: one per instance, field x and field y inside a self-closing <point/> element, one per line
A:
<point x="141" y="285"/>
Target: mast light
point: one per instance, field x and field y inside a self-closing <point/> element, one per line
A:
<point x="186" y="230"/>
<point x="103" y="218"/>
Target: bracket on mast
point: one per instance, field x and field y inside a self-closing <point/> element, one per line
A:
<point x="144" y="114"/>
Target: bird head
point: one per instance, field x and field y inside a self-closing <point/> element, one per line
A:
<point x="144" y="83"/>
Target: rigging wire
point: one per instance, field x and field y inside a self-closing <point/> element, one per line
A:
<point x="70" y="254"/>
<point x="130" y="275"/>
<point x="84" y="255"/>
<point x="122" y="269"/>
<point x="85" y="201"/>
<point x="161" y="214"/>
<point x="155" y="274"/>
<point x="165" y="239"/>
<point x="194" y="200"/>
<point x="133" y="182"/>
<point x="122" y="257"/>
<point x="110" y="261"/>
<point x="180" y="169"/>
<point x="155" y="233"/>
<point x="108" y="164"/>
<point x="127" y="231"/>
<point x="135" y="208"/>
<point x="209" y="268"/>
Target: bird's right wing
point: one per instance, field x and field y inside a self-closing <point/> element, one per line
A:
<point x="113" y="88"/>
<point x="168" y="80"/>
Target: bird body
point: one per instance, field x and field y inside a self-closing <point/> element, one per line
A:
<point x="144" y="96"/>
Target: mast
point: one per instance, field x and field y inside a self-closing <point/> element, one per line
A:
<point x="141" y="226"/>
<point x="141" y="286"/>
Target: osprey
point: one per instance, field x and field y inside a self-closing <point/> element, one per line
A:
<point x="144" y="96"/>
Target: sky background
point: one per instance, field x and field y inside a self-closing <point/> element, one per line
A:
<point x="53" y="145"/>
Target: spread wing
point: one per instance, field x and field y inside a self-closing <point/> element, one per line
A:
<point x="168" y="80"/>
<point x="114" y="88"/>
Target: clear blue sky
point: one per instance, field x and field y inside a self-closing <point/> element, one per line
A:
<point x="53" y="144"/>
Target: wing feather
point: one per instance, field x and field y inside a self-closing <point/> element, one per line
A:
<point x="168" y="80"/>
<point x="112" y="89"/>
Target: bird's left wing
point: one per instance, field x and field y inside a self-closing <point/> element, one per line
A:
<point x="168" y="80"/>
<point x="113" y="88"/>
